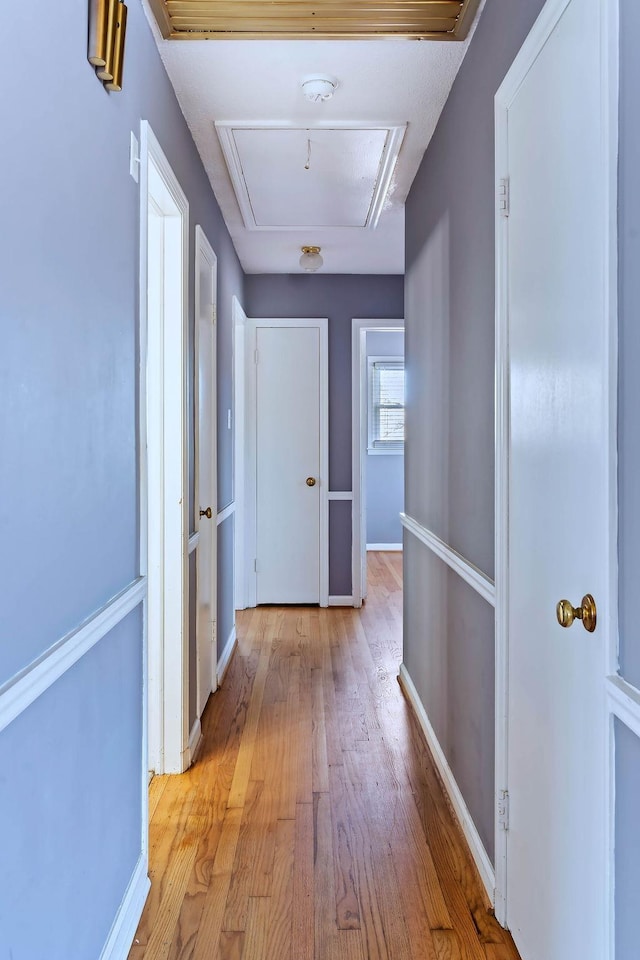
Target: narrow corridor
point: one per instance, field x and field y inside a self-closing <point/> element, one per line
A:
<point x="312" y="825"/>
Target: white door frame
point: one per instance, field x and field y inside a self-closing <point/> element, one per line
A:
<point x="239" y="319"/>
<point x="507" y="92"/>
<point x="164" y="484"/>
<point x="204" y="253"/>
<point x="249" y="512"/>
<point x="359" y="407"/>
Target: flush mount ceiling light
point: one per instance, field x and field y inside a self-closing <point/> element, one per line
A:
<point x="319" y="87"/>
<point x="311" y="259"/>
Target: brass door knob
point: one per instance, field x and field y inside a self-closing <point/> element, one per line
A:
<point x="587" y="612"/>
<point x="206" y="513"/>
<point x="311" y="481"/>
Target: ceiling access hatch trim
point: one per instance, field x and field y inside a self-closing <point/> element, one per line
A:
<point x="314" y="19"/>
<point x="373" y="191"/>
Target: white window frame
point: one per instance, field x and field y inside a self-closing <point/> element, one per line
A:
<point x="385" y="447"/>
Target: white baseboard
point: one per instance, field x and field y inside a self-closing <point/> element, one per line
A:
<point x="341" y="601"/>
<point x="478" y="852"/>
<point x="395" y="547"/>
<point x="128" y="916"/>
<point x="225" y="657"/>
<point x="194" y="740"/>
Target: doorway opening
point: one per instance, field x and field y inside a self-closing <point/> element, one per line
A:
<point x="378" y="444"/>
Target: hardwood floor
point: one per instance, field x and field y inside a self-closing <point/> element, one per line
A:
<point x="312" y="825"/>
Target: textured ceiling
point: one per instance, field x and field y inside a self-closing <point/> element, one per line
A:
<point x="386" y="83"/>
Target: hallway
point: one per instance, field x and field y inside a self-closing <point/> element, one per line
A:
<point x="312" y="824"/>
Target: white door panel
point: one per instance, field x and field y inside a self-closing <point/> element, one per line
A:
<point x="288" y="451"/>
<point x="558" y="495"/>
<point x="206" y="559"/>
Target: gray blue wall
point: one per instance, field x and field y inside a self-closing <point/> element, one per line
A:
<point x="339" y="297"/>
<point x="70" y="800"/>
<point x="627" y="745"/>
<point x="449" y="344"/>
<point x="385" y="471"/>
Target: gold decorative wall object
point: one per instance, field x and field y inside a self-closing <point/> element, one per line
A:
<point x="107" y="31"/>
<point x="115" y="83"/>
<point x="98" y="13"/>
<point x="314" y="19"/>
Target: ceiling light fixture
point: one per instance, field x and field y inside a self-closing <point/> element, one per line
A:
<point x="319" y="87"/>
<point x="311" y="259"/>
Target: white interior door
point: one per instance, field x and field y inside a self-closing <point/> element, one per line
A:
<point x="206" y="501"/>
<point x="164" y="233"/>
<point x="290" y="471"/>
<point x="553" y="134"/>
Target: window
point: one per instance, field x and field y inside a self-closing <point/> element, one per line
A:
<point x="386" y="405"/>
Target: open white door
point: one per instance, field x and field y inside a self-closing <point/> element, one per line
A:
<point x="556" y="311"/>
<point x="206" y="468"/>
<point x="164" y="232"/>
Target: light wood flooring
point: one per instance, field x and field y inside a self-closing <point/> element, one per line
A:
<point x="312" y="825"/>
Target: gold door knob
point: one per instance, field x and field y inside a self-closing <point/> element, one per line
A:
<point x="206" y="513"/>
<point x="566" y="613"/>
<point x="311" y="481"/>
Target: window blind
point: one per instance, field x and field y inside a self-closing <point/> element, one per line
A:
<point x="387" y="404"/>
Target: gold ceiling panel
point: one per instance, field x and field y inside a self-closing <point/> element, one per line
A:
<point x="314" y="19"/>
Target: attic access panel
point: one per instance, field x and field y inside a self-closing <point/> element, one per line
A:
<point x="308" y="19"/>
<point x="286" y="177"/>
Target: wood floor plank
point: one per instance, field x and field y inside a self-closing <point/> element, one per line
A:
<point x="325" y="928"/>
<point x="231" y="945"/>
<point x="242" y="770"/>
<point x="156" y="789"/>
<point x="245" y="880"/>
<point x="302" y="928"/>
<point x="313" y="825"/>
<point x="447" y="945"/>
<point x="320" y="762"/>
<point x="166" y="833"/>
<point x="280" y="918"/>
<point x="210" y="925"/>
<point x="177" y="878"/>
<point x="255" y="941"/>
<point x="347" y="905"/>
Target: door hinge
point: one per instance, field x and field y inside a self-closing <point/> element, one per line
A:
<point x="503" y="809"/>
<point x="255" y="566"/>
<point x="214" y="313"/>
<point x="213" y="634"/>
<point x="504" y="197"/>
<point x="255" y="356"/>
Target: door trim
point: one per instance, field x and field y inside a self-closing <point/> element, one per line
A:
<point x="359" y="405"/>
<point x="250" y="518"/>
<point x="204" y="252"/>
<point x="239" y="319"/>
<point x="541" y="31"/>
<point x="163" y="481"/>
